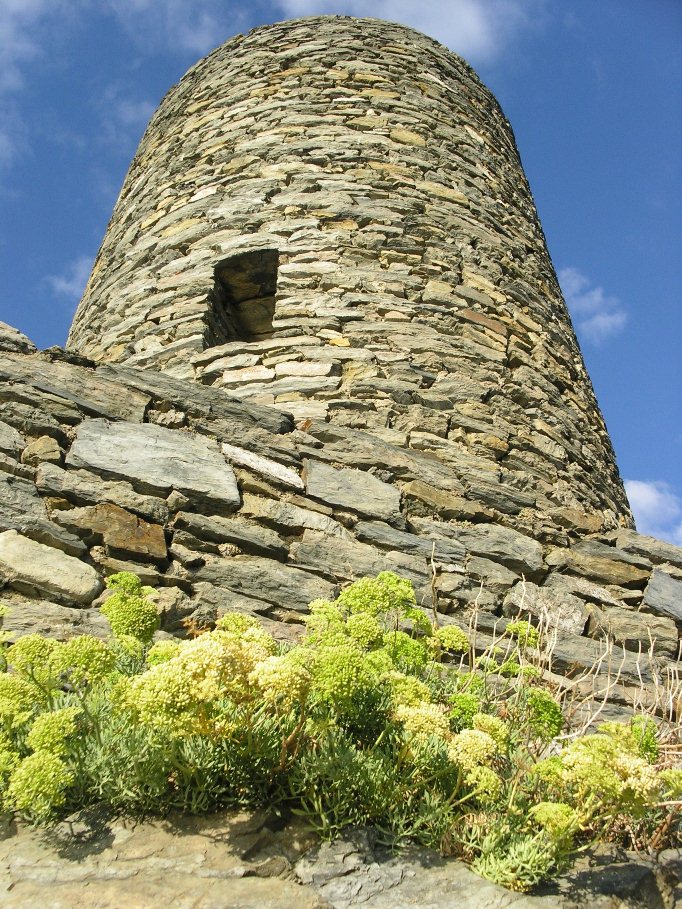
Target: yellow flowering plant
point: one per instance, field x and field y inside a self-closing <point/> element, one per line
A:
<point x="377" y="716"/>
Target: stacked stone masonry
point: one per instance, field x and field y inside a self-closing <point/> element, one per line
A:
<point x="329" y="217"/>
<point x="225" y="505"/>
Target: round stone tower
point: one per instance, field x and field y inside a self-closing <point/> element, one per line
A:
<point x="329" y="216"/>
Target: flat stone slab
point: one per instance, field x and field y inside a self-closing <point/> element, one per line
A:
<point x="83" y="488"/>
<point x="22" y="509"/>
<point x="562" y="611"/>
<point x="510" y="548"/>
<point x="355" y="489"/>
<point x="156" y="460"/>
<point x="264" y="579"/>
<point x="123" y="534"/>
<point x="600" y="568"/>
<point x="663" y="595"/>
<point x="32" y="567"/>
<point x="183" y="863"/>
<point x="248" y="860"/>
<point x="650" y="547"/>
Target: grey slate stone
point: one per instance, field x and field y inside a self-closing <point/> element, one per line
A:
<point x="22" y="509"/>
<point x="91" y="393"/>
<point x="11" y="441"/>
<point x="349" y="560"/>
<point x="564" y="612"/>
<point x="198" y="399"/>
<point x="382" y="534"/>
<point x="262" y="579"/>
<point x="354" y="489"/>
<point x="83" y="488"/>
<point x="156" y="460"/>
<point x="248" y="537"/>
<point x="598" y="568"/>
<point x="520" y="553"/>
<point x="663" y="595"/>
<point x="14" y="341"/>
<point x="656" y="551"/>
<point x="40" y="570"/>
<point x="636" y="630"/>
<point x="289" y="517"/>
<point x="28" y="615"/>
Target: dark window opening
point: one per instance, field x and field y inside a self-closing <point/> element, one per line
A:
<point x="242" y="302"/>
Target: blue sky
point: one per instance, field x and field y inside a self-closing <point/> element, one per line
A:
<point x="593" y="89"/>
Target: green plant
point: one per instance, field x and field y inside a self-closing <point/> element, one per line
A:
<point x="365" y="721"/>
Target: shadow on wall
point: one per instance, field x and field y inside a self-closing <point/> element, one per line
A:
<point x="242" y="302"/>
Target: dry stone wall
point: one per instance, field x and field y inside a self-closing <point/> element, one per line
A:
<point x="224" y="505"/>
<point x="329" y="216"/>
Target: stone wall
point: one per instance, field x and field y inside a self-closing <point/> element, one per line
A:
<point x="329" y="216"/>
<point x="225" y="505"/>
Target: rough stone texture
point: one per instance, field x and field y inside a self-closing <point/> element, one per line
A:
<point x="123" y="534"/>
<point x="156" y="460"/>
<point x="354" y="182"/>
<point x="418" y="404"/>
<point x="160" y="499"/>
<point x="352" y="489"/>
<point x="252" y="860"/>
<point x="663" y="595"/>
<point x="34" y="567"/>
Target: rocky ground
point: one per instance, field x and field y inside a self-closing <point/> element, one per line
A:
<point x="256" y="861"/>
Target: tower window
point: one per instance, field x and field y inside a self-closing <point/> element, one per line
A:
<point x="242" y="302"/>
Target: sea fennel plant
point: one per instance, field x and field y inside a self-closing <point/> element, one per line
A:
<point x="377" y="716"/>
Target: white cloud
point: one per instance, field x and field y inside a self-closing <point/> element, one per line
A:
<point x="123" y="117"/>
<point x="182" y="25"/>
<point x="657" y="509"/>
<point x="597" y="316"/>
<point x="25" y="29"/>
<point x="71" y="282"/>
<point x="479" y="30"/>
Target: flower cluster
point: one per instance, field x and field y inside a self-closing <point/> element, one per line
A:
<point x="452" y="639"/>
<point x="161" y="651"/>
<point x="380" y="595"/>
<point x="84" y="660"/>
<point x="51" y="731"/>
<point x="18" y="701"/>
<point x="128" y="610"/>
<point x="38" y="785"/>
<point x="557" y="819"/>
<point x="485" y="783"/>
<point x="598" y="766"/>
<point x="282" y="680"/>
<point x="406" y="690"/>
<point x="525" y="633"/>
<point x="423" y="720"/>
<point x="544" y="714"/>
<point x="464" y="707"/>
<point x="341" y="676"/>
<point x="496" y="728"/>
<point x="31" y="658"/>
<point x="472" y="748"/>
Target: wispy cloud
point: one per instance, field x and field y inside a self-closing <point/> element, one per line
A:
<point x="26" y="27"/>
<point x="70" y="283"/>
<point x="479" y="30"/>
<point x="657" y="509"/>
<point x="124" y="116"/>
<point x="597" y="316"/>
<point x="195" y="27"/>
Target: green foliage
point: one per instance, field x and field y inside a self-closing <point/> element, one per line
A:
<point x="38" y="785"/>
<point x="363" y="722"/>
<point x="128" y="610"/>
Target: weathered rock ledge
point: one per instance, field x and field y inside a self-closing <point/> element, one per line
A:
<point x="255" y="861"/>
<point x="221" y="504"/>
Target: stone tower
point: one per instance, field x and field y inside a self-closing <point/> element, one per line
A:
<point x="329" y="216"/>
